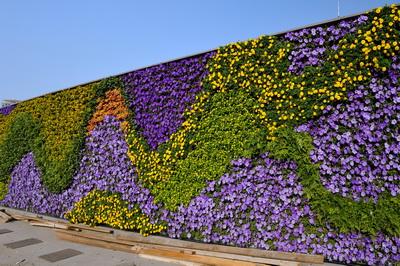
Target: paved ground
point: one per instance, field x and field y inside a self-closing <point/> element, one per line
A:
<point x="43" y="242"/>
<point x="41" y="245"/>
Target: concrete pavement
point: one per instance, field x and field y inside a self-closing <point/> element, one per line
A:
<point x="41" y="245"/>
<point x="42" y="241"/>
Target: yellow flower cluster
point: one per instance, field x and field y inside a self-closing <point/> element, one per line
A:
<point x="153" y="167"/>
<point x="105" y="208"/>
<point x="150" y="167"/>
<point x="259" y="67"/>
<point x="62" y="118"/>
<point x="177" y="140"/>
<point x="376" y="43"/>
<point x="60" y="115"/>
<point x="380" y="38"/>
<point x="244" y="71"/>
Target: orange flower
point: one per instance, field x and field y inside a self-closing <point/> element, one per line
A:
<point x="113" y="105"/>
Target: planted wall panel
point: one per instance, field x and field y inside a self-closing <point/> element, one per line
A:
<point x="286" y="143"/>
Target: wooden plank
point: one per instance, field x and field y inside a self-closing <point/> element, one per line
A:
<point x="183" y="244"/>
<point x="248" y="258"/>
<point x="70" y="225"/>
<point x="286" y="256"/>
<point x="27" y="216"/>
<point x="88" y="228"/>
<point x="95" y="235"/>
<point x="76" y="237"/>
<point x="23" y="217"/>
<point x="169" y="260"/>
<point x="91" y="228"/>
<point x="110" y="239"/>
<point x="63" y="235"/>
<point x="79" y="227"/>
<point x="196" y="258"/>
<point x="218" y="254"/>
<point x="4" y="218"/>
<point x="51" y="225"/>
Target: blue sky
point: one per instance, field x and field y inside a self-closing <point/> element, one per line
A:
<point x="51" y="45"/>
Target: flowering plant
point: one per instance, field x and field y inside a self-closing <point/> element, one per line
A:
<point x="285" y="142"/>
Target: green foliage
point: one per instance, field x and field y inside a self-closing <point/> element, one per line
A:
<point x="19" y="140"/>
<point x="228" y="130"/>
<point x="3" y="190"/>
<point x="260" y="66"/>
<point x="343" y="213"/>
<point x="63" y="117"/>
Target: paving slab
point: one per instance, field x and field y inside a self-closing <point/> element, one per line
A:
<point x="31" y="255"/>
<point x="4" y="231"/>
<point x="23" y="243"/>
<point x="34" y="255"/>
<point x="60" y="255"/>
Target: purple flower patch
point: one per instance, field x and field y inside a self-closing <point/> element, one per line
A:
<point x="311" y="43"/>
<point x="357" y="144"/>
<point x="260" y="204"/>
<point x="7" y="109"/>
<point x="104" y="166"/>
<point x="159" y="95"/>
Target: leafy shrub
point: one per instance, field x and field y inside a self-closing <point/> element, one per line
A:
<point x="20" y="139"/>
<point x="62" y="118"/>
<point x="228" y="129"/>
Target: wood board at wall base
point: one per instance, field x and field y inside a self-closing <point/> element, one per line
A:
<point x="191" y="254"/>
<point x="125" y="240"/>
<point x="4" y="217"/>
<point x="153" y="251"/>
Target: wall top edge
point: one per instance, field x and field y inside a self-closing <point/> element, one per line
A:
<point x="280" y="33"/>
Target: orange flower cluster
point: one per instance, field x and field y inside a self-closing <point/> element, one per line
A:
<point x="113" y="105"/>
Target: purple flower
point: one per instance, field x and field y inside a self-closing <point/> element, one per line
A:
<point x="7" y="109"/>
<point x="311" y="43"/>
<point x="160" y="94"/>
<point x="104" y="166"/>
<point x="358" y="154"/>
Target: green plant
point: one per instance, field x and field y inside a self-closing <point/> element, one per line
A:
<point x="343" y="213"/>
<point x="228" y="130"/>
<point x="20" y="138"/>
<point x="3" y="190"/>
<point x="57" y="145"/>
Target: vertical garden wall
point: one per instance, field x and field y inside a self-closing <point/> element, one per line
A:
<point x="286" y="143"/>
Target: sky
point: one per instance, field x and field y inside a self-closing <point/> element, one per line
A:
<point x="47" y="46"/>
